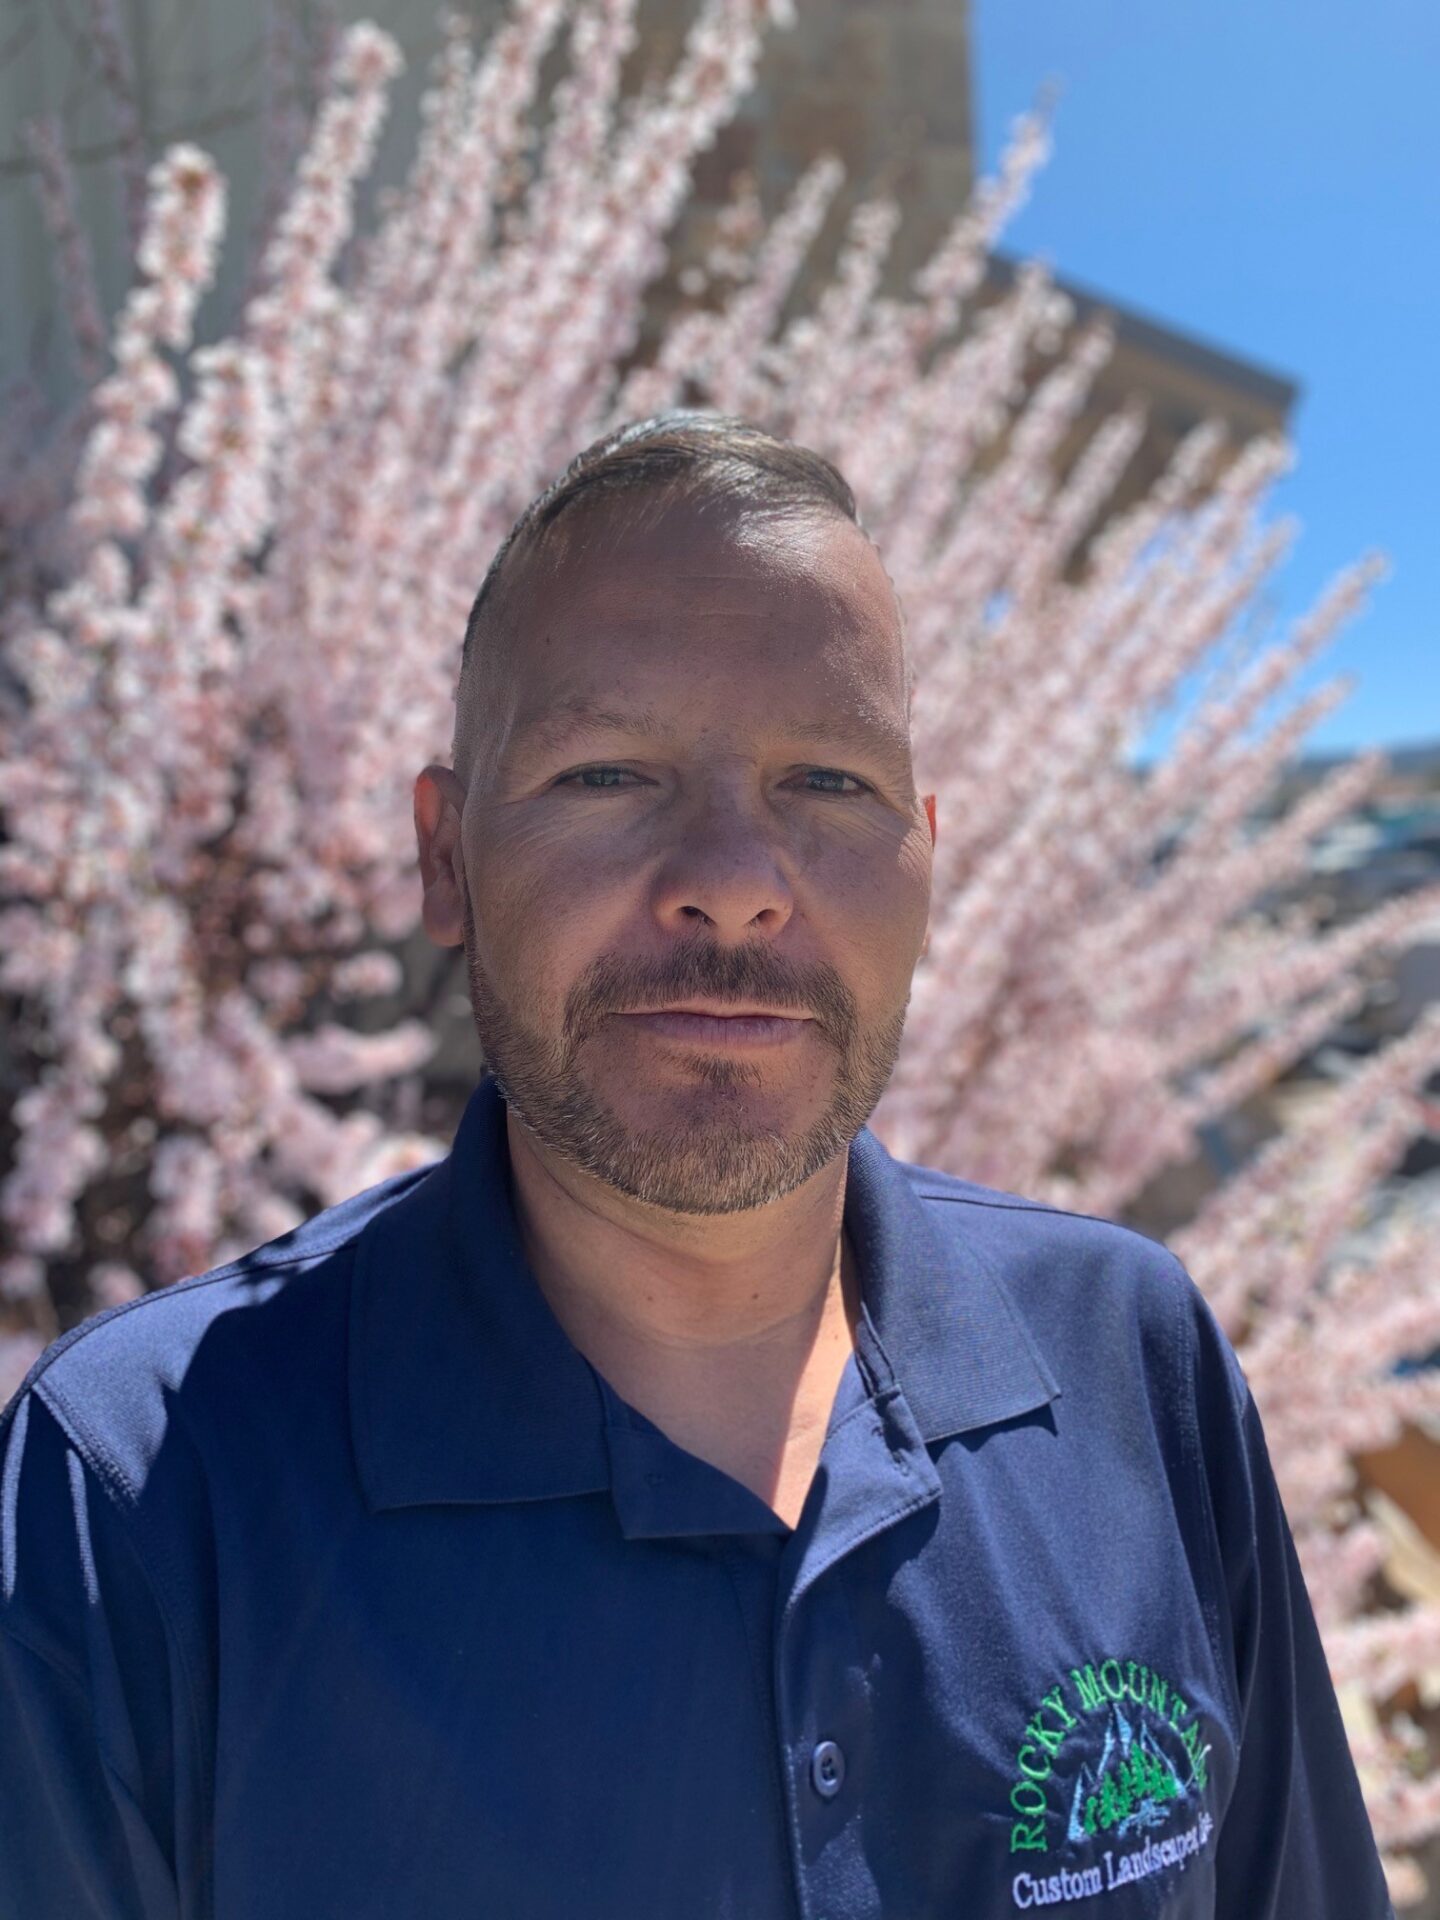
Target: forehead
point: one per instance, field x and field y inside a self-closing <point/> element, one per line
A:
<point x="699" y="594"/>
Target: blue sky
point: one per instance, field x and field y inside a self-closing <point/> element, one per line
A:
<point x="1266" y="178"/>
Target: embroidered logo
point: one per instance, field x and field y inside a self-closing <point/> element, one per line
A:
<point x="1112" y="1753"/>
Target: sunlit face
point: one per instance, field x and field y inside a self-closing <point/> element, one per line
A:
<point x="698" y="786"/>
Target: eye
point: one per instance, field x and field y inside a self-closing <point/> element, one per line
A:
<point x="584" y="773"/>
<point x="834" y="773"/>
<point x="590" y="781"/>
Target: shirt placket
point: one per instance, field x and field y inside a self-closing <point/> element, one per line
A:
<point x="874" y="1474"/>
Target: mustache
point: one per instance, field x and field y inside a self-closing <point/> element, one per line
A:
<point x="719" y="975"/>
<point x="613" y="983"/>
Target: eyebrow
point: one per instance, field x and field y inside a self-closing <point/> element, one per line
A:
<point x="577" y="718"/>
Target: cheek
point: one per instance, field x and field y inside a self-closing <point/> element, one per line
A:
<point x="883" y="941"/>
<point x="883" y="908"/>
<point x="548" y="900"/>
<point x="879" y="875"/>
<point x="544" y="904"/>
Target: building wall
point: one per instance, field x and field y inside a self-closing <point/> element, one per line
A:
<point x="882" y="83"/>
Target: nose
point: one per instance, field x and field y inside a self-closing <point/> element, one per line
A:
<point x="725" y="868"/>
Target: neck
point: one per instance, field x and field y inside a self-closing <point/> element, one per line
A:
<point x="730" y="1333"/>
<point x="623" y="1271"/>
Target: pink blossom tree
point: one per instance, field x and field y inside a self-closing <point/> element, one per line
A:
<point x="235" y="577"/>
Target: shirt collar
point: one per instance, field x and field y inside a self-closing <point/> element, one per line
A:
<point x="465" y="1387"/>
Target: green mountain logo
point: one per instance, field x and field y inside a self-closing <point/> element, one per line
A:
<point x="1131" y="1786"/>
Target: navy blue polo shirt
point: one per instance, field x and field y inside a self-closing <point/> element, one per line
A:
<point x="336" y="1584"/>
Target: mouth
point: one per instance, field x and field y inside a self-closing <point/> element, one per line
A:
<point x="719" y="1030"/>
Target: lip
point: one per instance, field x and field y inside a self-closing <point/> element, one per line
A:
<point x="722" y="1030"/>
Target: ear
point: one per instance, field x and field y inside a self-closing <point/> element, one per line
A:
<point x="439" y="807"/>
<point x="930" y="816"/>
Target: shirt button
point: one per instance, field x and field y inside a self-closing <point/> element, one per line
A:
<point x="827" y="1769"/>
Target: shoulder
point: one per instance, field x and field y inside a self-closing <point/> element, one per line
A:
<point x="1093" y="1292"/>
<point x="1036" y="1244"/>
<point x="126" y="1385"/>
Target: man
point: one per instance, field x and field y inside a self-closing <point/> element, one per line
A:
<point x="669" y="1505"/>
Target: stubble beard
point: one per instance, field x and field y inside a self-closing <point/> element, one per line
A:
<point x="719" y="1161"/>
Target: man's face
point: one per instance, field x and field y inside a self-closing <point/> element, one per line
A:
<point x="758" y="841"/>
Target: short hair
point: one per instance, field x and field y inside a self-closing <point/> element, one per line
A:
<point x="684" y="454"/>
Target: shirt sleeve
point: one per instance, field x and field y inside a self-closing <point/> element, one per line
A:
<point x="87" y="1702"/>
<point x="1295" y="1842"/>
